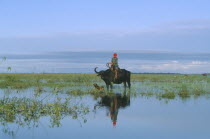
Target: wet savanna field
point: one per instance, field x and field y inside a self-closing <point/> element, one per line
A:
<point x="69" y="106"/>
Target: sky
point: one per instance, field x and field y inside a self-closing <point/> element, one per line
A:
<point x="89" y="25"/>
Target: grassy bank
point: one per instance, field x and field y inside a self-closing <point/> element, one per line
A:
<point x="161" y="85"/>
<point x="26" y="80"/>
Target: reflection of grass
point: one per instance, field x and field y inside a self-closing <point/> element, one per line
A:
<point x="27" y="112"/>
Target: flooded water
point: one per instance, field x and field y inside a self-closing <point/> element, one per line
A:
<point x="142" y="112"/>
<point x="85" y="62"/>
<point x="110" y="115"/>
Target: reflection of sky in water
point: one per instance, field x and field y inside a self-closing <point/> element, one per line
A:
<point x="144" y="118"/>
<point x="84" y="62"/>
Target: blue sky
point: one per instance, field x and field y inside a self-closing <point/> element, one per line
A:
<point x="66" y="25"/>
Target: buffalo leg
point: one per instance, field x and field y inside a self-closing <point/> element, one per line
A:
<point x="124" y="84"/>
<point x="111" y="86"/>
<point x="129" y="84"/>
<point x="107" y="86"/>
<point x="128" y="79"/>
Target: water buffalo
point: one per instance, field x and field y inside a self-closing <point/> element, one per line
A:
<point x="108" y="77"/>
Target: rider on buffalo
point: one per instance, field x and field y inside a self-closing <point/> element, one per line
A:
<point x="114" y="65"/>
<point x="112" y="75"/>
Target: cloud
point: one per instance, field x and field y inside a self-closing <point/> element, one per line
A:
<point x="189" y="36"/>
<point x="84" y="62"/>
<point x="199" y="62"/>
<point x="170" y="66"/>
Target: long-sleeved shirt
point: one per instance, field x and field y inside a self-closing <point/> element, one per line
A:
<point x="115" y="61"/>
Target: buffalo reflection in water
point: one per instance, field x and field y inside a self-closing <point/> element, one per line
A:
<point x="114" y="102"/>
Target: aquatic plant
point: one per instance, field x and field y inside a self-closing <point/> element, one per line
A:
<point x="169" y="95"/>
<point x="26" y="112"/>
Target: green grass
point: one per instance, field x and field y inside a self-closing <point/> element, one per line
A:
<point x="169" y="95"/>
<point x="162" y="85"/>
<point x="22" y="81"/>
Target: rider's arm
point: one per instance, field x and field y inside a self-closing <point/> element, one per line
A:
<point x="113" y="61"/>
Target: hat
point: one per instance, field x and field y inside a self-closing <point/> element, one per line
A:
<point x="115" y="54"/>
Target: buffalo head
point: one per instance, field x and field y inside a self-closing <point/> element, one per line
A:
<point x="100" y="73"/>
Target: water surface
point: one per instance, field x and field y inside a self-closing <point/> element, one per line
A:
<point x="84" y="62"/>
<point x="120" y="115"/>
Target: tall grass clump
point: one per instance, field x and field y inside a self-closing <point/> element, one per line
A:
<point x="184" y="93"/>
<point x="169" y="95"/>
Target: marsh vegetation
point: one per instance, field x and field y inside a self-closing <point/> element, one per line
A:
<point x="27" y="98"/>
<point x="162" y="85"/>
